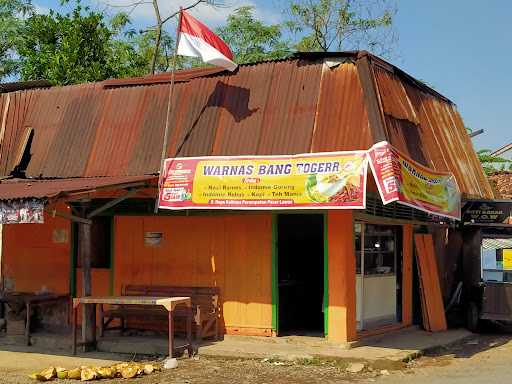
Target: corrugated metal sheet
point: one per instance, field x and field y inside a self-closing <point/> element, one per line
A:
<point x="502" y="182"/>
<point x="277" y="107"/>
<point x="20" y="85"/>
<point x="183" y="75"/>
<point x="430" y="130"/>
<point x="21" y="188"/>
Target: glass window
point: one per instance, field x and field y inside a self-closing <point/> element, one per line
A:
<point x="496" y="259"/>
<point x="379" y="248"/>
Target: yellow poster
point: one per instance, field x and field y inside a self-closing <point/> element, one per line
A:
<point x="507" y="259"/>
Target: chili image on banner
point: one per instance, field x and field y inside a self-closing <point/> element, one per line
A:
<point x="334" y="180"/>
<point x="402" y="179"/>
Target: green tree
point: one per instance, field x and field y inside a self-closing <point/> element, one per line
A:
<point x="250" y="39"/>
<point x="11" y="21"/>
<point x="492" y="163"/>
<point x="336" y="25"/>
<point x="81" y="46"/>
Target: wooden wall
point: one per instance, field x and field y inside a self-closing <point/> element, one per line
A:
<point x="231" y="252"/>
<point x="37" y="256"/>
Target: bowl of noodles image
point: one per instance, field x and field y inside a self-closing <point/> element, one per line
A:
<point x="331" y="188"/>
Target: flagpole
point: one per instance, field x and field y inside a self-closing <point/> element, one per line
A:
<point x="169" y="104"/>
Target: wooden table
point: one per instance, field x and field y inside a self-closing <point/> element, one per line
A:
<point x="169" y="303"/>
<point x="28" y="300"/>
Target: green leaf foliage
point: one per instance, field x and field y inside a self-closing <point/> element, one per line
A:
<point x="81" y="46"/>
<point x="12" y="13"/>
<point x="250" y="39"/>
<point x="336" y="25"/>
<point x="492" y="163"/>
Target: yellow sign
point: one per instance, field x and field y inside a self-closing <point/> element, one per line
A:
<point x="321" y="180"/>
<point x="401" y="179"/>
<point x="507" y="259"/>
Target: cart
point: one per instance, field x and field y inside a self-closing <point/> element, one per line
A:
<point x="487" y="261"/>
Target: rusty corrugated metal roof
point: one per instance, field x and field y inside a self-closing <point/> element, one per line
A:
<point x="22" y="188"/>
<point x="430" y="130"/>
<point x="310" y="103"/>
<point x="502" y="182"/>
<point x="21" y="85"/>
<point x="182" y="75"/>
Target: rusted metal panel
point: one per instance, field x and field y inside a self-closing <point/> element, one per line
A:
<point x="115" y="128"/>
<point x="182" y="75"/>
<point x="395" y="101"/>
<point x="23" y="188"/>
<point x="430" y="130"/>
<point x="502" y="182"/>
<point x="371" y="99"/>
<point x="342" y="119"/>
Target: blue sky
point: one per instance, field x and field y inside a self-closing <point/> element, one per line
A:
<point x="460" y="47"/>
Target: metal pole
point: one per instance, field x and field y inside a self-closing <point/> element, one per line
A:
<point x="169" y="103"/>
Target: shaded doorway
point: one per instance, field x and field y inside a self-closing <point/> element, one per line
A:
<point x="300" y="254"/>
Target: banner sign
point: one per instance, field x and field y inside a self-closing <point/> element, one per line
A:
<point x="322" y="180"/>
<point x="487" y="212"/>
<point x="22" y="212"/>
<point x="403" y="180"/>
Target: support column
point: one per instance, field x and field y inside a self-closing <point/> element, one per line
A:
<point x="342" y="276"/>
<point x="407" y="274"/>
<point x="84" y="252"/>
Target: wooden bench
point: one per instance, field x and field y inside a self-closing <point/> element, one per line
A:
<point x="205" y="308"/>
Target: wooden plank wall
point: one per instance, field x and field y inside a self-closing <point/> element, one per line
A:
<point x="37" y="256"/>
<point x="432" y="301"/>
<point x="232" y="252"/>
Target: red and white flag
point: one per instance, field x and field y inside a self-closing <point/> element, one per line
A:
<point x="196" y="40"/>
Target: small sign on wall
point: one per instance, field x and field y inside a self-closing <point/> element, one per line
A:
<point x="152" y="239"/>
<point x="60" y="236"/>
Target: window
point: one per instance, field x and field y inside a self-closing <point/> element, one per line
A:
<point x="497" y="260"/>
<point x="101" y="237"/>
<point x="379" y="249"/>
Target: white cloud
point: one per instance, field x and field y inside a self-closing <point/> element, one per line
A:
<point x="40" y="9"/>
<point x="143" y="14"/>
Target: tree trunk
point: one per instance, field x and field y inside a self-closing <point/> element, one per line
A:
<point x="157" y="48"/>
<point x="158" y="36"/>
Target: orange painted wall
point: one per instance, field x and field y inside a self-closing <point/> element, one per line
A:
<point x="342" y="276"/>
<point x="33" y="255"/>
<point x="232" y="252"/>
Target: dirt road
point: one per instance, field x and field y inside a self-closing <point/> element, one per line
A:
<point x="485" y="359"/>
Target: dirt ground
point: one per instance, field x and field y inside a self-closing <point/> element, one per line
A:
<point x="201" y="370"/>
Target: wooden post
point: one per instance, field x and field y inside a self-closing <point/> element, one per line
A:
<point x="88" y="313"/>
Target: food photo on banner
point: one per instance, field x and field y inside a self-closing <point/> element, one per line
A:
<point x="310" y="181"/>
<point x="404" y="180"/>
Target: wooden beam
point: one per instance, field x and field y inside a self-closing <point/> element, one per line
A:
<point x="112" y="203"/>
<point x="88" y="311"/>
<point x="77" y="219"/>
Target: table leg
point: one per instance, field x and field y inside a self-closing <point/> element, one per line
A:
<point x="171" y="334"/>
<point x="75" y="316"/>
<point x="100" y="309"/>
<point x="27" y="325"/>
<point x="94" y="336"/>
<point x="190" y="349"/>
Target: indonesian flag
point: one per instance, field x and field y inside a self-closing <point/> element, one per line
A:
<point x="196" y="40"/>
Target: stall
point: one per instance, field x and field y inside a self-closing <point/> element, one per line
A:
<point x="488" y="260"/>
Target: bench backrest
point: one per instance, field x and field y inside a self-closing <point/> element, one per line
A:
<point x="207" y="298"/>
